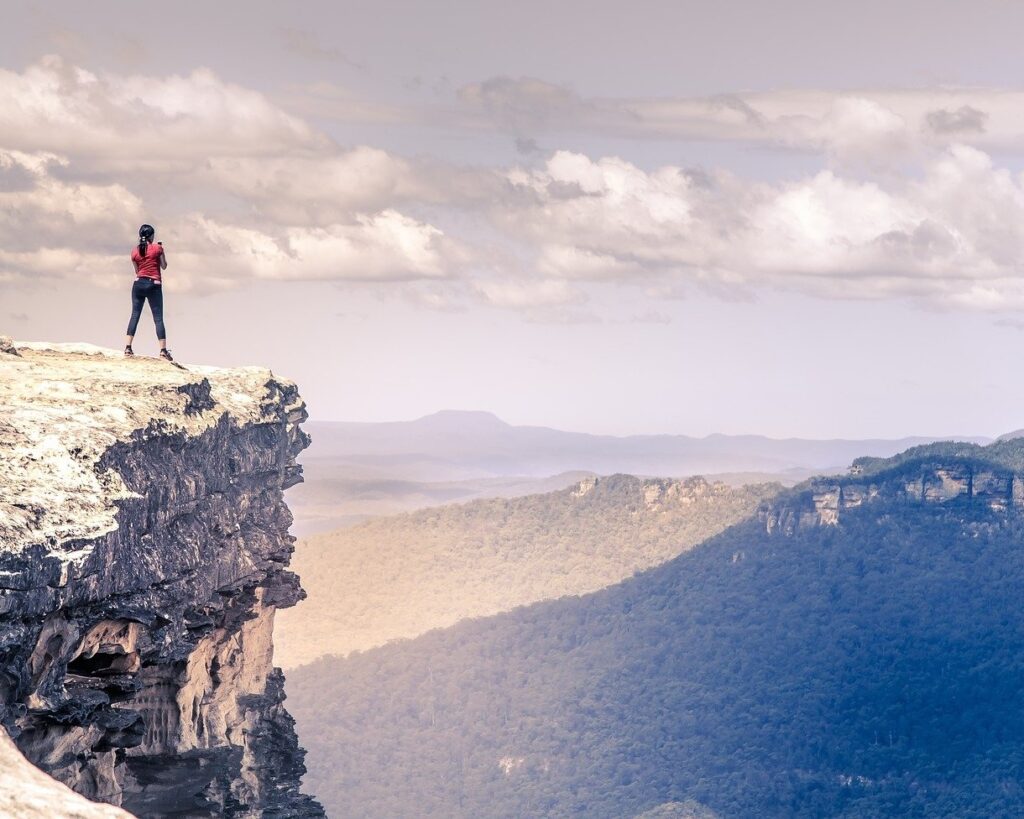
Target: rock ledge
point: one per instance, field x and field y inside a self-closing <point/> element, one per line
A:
<point x="143" y="552"/>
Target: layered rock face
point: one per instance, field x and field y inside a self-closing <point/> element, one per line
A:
<point x="143" y="552"/>
<point x="822" y="501"/>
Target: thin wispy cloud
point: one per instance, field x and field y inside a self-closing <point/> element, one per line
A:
<point x="306" y="44"/>
<point x="821" y="120"/>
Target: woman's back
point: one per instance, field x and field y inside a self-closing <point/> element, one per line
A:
<point x="148" y="265"/>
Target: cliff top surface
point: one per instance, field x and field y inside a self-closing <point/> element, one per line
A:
<point x="62" y="406"/>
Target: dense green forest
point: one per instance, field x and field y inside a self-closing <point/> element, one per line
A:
<point x="871" y="668"/>
<point x="401" y="576"/>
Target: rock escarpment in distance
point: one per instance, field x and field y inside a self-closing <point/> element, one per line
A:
<point x="143" y="553"/>
<point x="952" y="471"/>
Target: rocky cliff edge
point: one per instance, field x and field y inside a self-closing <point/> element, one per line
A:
<point x="143" y="552"/>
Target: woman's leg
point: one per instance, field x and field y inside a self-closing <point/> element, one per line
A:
<point x="138" y="299"/>
<point x="156" y="304"/>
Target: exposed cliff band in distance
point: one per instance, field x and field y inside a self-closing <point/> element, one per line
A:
<point x="143" y="553"/>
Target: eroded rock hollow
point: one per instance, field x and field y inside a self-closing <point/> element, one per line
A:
<point x="143" y="552"/>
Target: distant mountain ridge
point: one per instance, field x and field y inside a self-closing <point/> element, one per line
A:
<point x="454" y="445"/>
<point x="852" y="649"/>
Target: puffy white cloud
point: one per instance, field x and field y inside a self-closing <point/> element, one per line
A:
<point x="854" y="128"/>
<point x="314" y="190"/>
<point x="38" y="207"/>
<point x="57" y="228"/>
<point x="140" y="120"/>
<point x="383" y="246"/>
<point x="59" y="263"/>
<point x="955" y="236"/>
<point x="54" y="228"/>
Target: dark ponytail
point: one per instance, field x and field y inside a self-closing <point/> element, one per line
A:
<point x="146" y="234"/>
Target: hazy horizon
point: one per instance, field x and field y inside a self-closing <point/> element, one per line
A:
<point x="627" y="434"/>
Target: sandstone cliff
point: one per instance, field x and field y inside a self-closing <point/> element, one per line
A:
<point x="143" y="552"/>
<point x="940" y="474"/>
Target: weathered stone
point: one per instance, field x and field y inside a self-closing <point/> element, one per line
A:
<point x="143" y="552"/>
<point x="822" y="501"/>
<point x="27" y="793"/>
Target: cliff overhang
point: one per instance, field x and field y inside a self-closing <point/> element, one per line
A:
<point x="143" y="552"/>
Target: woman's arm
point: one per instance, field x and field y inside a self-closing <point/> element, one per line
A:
<point x="163" y="256"/>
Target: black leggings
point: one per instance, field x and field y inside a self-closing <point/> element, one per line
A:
<point x="143" y="289"/>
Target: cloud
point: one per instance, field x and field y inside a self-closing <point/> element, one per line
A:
<point x="58" y="229"/>
<point x="207" y="255"/>
<point x="200" y="133"/>
<point x="843" y="124"/>
<point x="383" y="246"/>
<point x="56" y="263"/>
<point x="857" y="128"/>
<point x="524" y="103"/>
<point x="953" y="237"/>
<point x="964" y="120"/>
<point x="325" y="100"/>
<point x="261" y="194"/>
<point x="526" y="146"/>
<point x="318" y="189"/>
<point x="139" y="121"/>
<point x="270" y="197"/>
<point x="529" y="293"/>
<point x="42" y="210"/>
<point x="603" y="219"/>
<point x="305" y="44"/>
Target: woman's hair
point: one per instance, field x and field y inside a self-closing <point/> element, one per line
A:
<point x="146" y="234"/>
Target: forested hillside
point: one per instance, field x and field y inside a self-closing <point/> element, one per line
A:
<point x="404" y="575"/>
<point x="863" y="663"/>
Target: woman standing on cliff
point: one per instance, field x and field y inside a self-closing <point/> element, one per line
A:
<point x="149" y="259"/>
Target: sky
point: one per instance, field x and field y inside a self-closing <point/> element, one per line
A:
<point x="793" y="219"/>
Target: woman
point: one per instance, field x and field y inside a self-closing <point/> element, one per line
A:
<point x="149" y="259"/>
